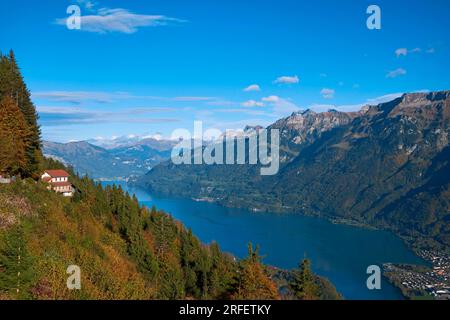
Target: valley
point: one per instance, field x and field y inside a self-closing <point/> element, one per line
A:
<point x="382" y="168"/>
<point x="387" y="166"/>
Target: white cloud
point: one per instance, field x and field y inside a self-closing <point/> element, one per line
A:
<point x="285" y="106"/>
<point x="51" y="116"/>
<point x="287" y="80"/>
<point x="385" y="98"/>
<point x="281" y="106"/>
<point x="401" y="52"/>
<point x="77" y="97"/>
<point x="253" y="87"/>
<point x="76" y="110"/>
<point x="396" y="73"/>
<point x="256" y="112"/>
<point x="271" y="99"/>
<point x="404" y="51"/>
<point x="252" y="103"/>
<point x="120" y="20"/>
<point x="327" y="93"/>
<point x="59" y="110"/>
<point x="355" y="107"/>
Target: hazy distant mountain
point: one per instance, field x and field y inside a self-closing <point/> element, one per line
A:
<point x="387" y="165"/>
<point x="124" y="161"/>
<point x="153" y="141"/>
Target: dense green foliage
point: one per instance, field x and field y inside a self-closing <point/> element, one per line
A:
<point x="17" y="264"/>
<point x="303" y="283"/>
<point x="388" y="167"/>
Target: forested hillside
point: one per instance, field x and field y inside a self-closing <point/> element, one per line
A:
<point x="124" y="251"/>
<point x="387" y="166"/>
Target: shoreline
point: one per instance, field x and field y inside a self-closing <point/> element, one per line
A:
<point x="335" y="221"/>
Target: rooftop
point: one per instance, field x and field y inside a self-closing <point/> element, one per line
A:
<point x="57" y="173"/>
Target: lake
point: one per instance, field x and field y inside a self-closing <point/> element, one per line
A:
<point x="341" y="253"/>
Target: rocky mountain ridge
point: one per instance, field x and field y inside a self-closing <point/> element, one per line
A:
<point x="386" y="166"/>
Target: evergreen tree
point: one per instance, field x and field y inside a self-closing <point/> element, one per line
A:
<point x="16" y="265"/>
<point x="304" y="283"/>
<point x="13" y="136"/>
<point x="13" y="85"/>
<point x="221" y="273"/>
<point x="253" y="282"/>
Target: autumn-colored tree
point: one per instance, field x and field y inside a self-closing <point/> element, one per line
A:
<point x="12" y="85"/>
<point x="253" y="282"/>
<point x="304" y="284"/>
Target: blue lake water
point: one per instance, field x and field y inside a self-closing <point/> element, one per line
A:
<point x="339" y="252"/>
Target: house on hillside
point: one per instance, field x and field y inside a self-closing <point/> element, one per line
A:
<point x="58" y="181"/>
<point x="5" y="179"/>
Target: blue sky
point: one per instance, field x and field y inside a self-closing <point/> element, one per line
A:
<point x="149" y="67"/>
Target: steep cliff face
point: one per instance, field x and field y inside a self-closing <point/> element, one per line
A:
<point x="304" y="127"/>
<point x="378" y="167"/>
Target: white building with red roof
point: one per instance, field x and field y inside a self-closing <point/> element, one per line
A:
<point x="58" y="181"/>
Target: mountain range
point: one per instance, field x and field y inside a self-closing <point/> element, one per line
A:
<point x="123" y="160"/>
<point x="101" y="243"/>
<point x="387" y="166"/>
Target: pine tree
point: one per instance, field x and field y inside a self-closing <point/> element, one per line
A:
<point x="13" y="136"/>
<point x="304" y="283"/>
<point x="13" y="85"/>
<point x="253" y="282"/>
<point x="17" y="273"/>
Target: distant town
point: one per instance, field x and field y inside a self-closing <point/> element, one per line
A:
<point x="421" y="281"/>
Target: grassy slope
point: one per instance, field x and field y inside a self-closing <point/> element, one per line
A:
<point x="60" y="233"/>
